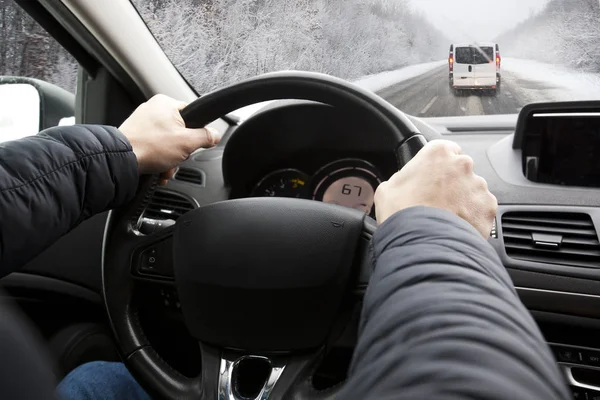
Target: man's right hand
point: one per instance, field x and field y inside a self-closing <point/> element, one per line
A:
<point x="159" y="138"/>
<point x="439" y="176"/>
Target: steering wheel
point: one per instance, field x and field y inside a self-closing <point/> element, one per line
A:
<point x="246" y="296"/>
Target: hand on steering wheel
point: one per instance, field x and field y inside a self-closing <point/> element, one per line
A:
<point x="156" y="123"/>
<point x="245" y="294"/>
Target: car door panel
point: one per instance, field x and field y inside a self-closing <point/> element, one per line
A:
<point x="463" y="70"/>
<point x="484" y="66"/>
<point x="76" y="257"/>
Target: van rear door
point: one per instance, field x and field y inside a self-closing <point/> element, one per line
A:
<point x="463" y="66"/>
<point x="484" y="66"/>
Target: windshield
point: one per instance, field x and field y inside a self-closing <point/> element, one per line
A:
<point x="429" y="58"/>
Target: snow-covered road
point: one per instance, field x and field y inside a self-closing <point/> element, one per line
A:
<point x="423" y="90"/>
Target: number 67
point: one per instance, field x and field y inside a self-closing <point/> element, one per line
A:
<point x="347" y="189"/>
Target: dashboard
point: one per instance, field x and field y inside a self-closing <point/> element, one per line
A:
<point x="315" y="152"/>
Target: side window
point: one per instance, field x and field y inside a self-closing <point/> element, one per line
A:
<point x="34" y="70"/>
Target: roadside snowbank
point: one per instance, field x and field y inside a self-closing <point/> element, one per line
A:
<point x="383" y="80"/>
<point x="373" y="82"/>
<point x="546" y="82"/>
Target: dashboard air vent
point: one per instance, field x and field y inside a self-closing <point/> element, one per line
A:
<point x="167" y="205"/>
<point x="551" y="237"/>
<point x="190" y="175"/>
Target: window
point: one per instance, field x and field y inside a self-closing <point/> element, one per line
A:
<point x="474" y="55"/>
<point x="28" y="51"/>
<point x="463" y="55"/>
<point x="482" y="55"/>
<point x="550" y="48"/>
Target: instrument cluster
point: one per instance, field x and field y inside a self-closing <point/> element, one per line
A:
<point x="348" y="182"/>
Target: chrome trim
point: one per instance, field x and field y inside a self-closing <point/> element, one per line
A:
<point x="525" y="289"/>
<point x="567" y="367"/>
<point x="574" y="347"/>
<point x="566" y="370"/>
<point x="567" y="114"/>
<point x="227" y="368"/>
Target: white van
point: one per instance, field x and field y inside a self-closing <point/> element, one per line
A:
<point x="474" y="67"/>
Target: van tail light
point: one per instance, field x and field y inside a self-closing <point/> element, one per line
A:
<point x="451" y="63"/>
<point x="498" y="60"/>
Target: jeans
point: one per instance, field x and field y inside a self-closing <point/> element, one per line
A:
<point x="100" y="380"/>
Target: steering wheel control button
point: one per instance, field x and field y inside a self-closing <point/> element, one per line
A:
<point x="591" y="395"/>
<point x="578" y="393"/>
<point x="169" y="299"/>
<point x="148" y="260"/>
<point x="157" y="260"/>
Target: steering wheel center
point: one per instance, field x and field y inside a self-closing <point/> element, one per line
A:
<point x="264" y="275"/>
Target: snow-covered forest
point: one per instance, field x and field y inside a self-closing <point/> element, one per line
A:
<point x="216" y="42"/>
<point x="27" y="50"/>
<point x="565" y="32"/>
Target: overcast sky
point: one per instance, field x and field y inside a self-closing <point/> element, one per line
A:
<point x="476" y="20"/>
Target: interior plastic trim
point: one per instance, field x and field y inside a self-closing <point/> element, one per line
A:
<point x="21" y="280"/>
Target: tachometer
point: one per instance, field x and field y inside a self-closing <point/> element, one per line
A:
<point x="351" y="183"/>
<point x="283" y="183"/>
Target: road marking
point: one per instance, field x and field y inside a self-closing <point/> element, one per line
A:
<point x="474" y="106"/>
<point x="428" y="106"/>
<point x="489" y="101"/>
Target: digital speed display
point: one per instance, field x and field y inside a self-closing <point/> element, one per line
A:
<point x="350" y="183"/>
<point x="351" y="191"/>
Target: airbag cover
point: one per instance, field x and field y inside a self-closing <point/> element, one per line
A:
<point x="264" y="274"/>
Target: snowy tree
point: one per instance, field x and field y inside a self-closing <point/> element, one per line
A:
<point x="565" y="32"/>
<point x="217" y="42"/>
<point x="223" y="41"/>
<point x="27" y="50"/>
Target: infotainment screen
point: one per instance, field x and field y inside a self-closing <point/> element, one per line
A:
<point x="563" y="149"/>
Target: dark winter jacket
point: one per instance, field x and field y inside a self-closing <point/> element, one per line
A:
<point x="51" y="182"/>
<point x="441" y="319"/>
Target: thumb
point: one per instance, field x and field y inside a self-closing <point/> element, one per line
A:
<point x="203" y="137"/>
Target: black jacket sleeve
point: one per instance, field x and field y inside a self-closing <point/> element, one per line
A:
<point x="442" y="320"/>
<point x="51" y="182"/>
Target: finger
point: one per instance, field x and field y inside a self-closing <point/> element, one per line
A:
<point x="168" y="174"/>
<point x="446" y="146"/>
<point x="181" y="105"/>
<point x="163" y="182"/>
<point x="481" y="183"/>
<point x="465" y="164"/>
<point x="203" y="137"/>
<point x="452" y="147"/>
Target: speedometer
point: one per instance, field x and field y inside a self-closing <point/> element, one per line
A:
<point x="350" y="182"/>
<point x="283" y="183"/>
